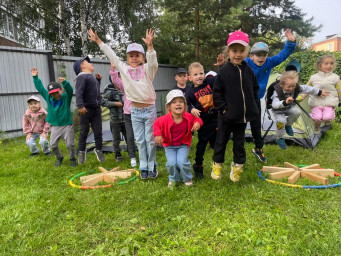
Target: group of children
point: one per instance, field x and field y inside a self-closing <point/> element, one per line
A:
<point x="216" y="106"/>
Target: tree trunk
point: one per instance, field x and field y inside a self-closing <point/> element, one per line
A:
<point x="84" y="26"/>
<point x="197" y="38"/>
<point x="64" y="35"/>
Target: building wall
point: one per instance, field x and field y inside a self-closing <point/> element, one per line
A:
<point x="333" y="45"/>
<point x="16" y="83"/>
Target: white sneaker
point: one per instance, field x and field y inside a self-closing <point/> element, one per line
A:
<point x="133" y="162"/>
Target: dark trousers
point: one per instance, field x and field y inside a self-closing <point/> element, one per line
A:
<point x="92" y="117"/>
<point x="130" y="139"/>
<point x="116" y="129"/>
<point x="223" y="135"/>
<point x="256" y="129"/>
<point x="206" y="133"/>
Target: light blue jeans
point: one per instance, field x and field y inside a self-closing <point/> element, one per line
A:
<point x="178" y="164"/>
<point x="142" y="120"/>
<point x="44" y="144"/>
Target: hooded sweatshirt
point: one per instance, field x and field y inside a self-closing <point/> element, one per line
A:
<point x="35" y="122"/>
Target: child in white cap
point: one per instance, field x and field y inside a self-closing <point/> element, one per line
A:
<point x="174" y="132"/>
<point x="137" y="77"/>
<point x="35" y="125"/>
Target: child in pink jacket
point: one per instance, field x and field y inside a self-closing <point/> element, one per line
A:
<point x="35" y="125"/>
<point x="174" y="131"/>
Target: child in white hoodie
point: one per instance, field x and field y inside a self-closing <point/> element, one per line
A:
<point x="137" y="77"/>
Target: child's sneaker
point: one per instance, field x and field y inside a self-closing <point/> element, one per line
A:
<point x="59" y="161"/>
<point x="216" y="171"/>
<point x="258" y="152"/>
<point x="73" y="162"/>
<point x="118" y="157"/>
<point x="198" y="171"/>
<point x="289" y="130"/>
<point x="317" y="130"/>
<point x="100" y="155"/>
<point x="281" y="143"/>
<point x="81" y="157"/>
<point x="153" y="174"/>
<point x="188" y="183"/>
<point x="236" y="172"/>
<point x="133" y="162"/>
<point x="144" y="174"/>
<point x="34" y="154"/>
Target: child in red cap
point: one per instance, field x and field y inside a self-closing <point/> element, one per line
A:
<point x="235" y="95"/>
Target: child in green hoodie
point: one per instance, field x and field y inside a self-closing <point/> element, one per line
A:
<point x="58" y="99"/>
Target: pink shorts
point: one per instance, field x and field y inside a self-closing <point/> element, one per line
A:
<point x="322" y="113"/>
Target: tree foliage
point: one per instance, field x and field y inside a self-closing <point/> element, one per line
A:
<point x="197" y="30"/>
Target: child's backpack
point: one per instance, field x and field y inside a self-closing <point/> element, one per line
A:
<point x="272" y="88"/>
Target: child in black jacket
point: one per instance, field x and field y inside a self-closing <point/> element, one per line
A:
<point x="88" y="101"/>
<point x="235" y="96"/>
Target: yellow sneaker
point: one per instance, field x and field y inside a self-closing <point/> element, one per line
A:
<point x="236" y="172"/>
<point x="216" y="171"/>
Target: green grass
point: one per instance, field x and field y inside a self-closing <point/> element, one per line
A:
<point x="41" y="214"/>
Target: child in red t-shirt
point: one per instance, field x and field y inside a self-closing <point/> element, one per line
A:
<point x="174" y="132"/>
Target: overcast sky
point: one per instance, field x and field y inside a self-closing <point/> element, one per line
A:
<point x="326" y="12"/>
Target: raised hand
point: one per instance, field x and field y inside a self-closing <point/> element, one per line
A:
<point x="93" y="36"/>
<point x="61" y="79"/>
<point x="290" y="37"/>
<point x="220" y="60"/>
<point x="34" y="71"/>
<point x="149" y="38"/>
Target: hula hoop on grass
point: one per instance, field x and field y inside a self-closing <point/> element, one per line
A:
<point x="98" y="186"/>
<point x="300" y="186"/>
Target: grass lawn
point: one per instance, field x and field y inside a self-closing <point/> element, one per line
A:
<point x="41" y="214"/>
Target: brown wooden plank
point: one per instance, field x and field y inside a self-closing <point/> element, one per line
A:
<point x="271" y="169"/>
<point x="313" y="166"/>
<point x="289" y="165"/>
<point x="315" y="177"/>
<point x="280" y="175"/>
<point x="322" y="172"/>
<point x="102" y="169"/>
<point x="82" y="178"/>
<point x="115" y="169"/>
<point x="120" y="174"/>
<point x="93" y="181"/>
<point x="110" y="179"/>
<point x="294" y="177"/>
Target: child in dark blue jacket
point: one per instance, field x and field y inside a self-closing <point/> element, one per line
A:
<point x="262" y="65"/>
<point x="88" y="101"/>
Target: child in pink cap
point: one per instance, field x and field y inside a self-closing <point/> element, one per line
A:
<point x="235" y="95"/>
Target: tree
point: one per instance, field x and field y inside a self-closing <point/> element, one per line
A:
<point x="196" y="30"/>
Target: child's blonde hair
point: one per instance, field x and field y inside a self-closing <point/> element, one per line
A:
<point x="322" y="58"/>
<point x="288" y="75"/>
<point x="194" y="65"/>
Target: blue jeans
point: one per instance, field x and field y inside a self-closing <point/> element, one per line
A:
<point x="142" y="120"/>
<point x="177" y="163"/>
<point x="44" y="144"/>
